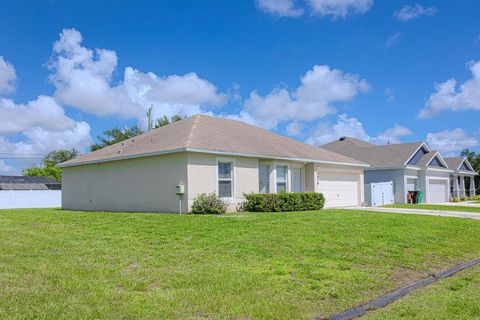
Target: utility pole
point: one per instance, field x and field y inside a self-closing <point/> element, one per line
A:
<point x="149" y="117"/>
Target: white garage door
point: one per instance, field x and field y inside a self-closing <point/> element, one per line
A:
<point x="437" y="191"/>
<point x="339" y="189"/>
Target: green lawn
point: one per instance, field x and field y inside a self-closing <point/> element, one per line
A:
<point x="452" y="298"/>
<point x="81" y="265"/>
<point x="434" y="207"/>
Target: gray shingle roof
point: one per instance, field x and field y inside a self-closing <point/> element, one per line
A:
<point x="212" y="134"/>
<point x="427" y="157"/>
<point x="384" y="156"/>
<point x="23" y="186"/>
<point x="454" y="162"/>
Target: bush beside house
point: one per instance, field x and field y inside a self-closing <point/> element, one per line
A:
<point x="279" y="202"/>
<point x="208" y="204"/>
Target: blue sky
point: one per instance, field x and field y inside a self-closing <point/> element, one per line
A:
<point x="383" y="71"/>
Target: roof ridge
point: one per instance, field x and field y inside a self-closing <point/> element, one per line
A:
<point x="193" y="127"/>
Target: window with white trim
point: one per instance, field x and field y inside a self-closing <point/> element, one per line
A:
<point x="282" y="172"/>
<point x="264" y="178"/>
<point x="225" y="179"/>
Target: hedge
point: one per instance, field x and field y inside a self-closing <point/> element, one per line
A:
<point x="208" y="204"/>
<point x="279" y="202"/>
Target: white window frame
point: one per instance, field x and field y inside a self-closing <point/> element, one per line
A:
<point x="287" y="182"/>
<point x="232" y="179"/>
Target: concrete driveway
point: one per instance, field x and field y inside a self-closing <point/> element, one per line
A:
<point x="457" y="214"/>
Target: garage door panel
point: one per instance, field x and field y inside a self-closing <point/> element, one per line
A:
<point x="339" y="189"/>
<point x="437" y="191"/>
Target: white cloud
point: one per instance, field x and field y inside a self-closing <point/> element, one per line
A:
<point x="392" y="40"/>
<point x="390" y="94"/>
<point x="339" y="8"/>
<point x="5" y="169"/>
<point x="294" y="128"/>
<point x="43" y="112"/>
<point x="411" y="12"/>
<point x="281" y="8"/>
<point x="38" y="127"/>
<point x="83" y="79"/>
<point x="451" y="142"/>
<point x="7" y="77"/>
<point x="351" y="127"/>
<point x="319" y="89"/>
<point x="448" y="98"/>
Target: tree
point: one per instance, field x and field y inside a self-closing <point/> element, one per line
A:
<point x="474" y="159"/>
<point x="115" y="135"/>
<point x="161" y="122"/>
<point x="47" y="168"/>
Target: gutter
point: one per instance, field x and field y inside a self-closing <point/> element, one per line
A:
<point x="195" y="150"/>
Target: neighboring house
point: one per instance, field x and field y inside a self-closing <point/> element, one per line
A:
<point x="462" y="169"/>
<point x="28" y="183"/>
<point x="164" y="169"/>
<point x="29" y="192"/>
<point x="411" y="166"/>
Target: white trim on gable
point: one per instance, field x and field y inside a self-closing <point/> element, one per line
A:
<point x="415" y="152"/>
<point x="437" y="154"/>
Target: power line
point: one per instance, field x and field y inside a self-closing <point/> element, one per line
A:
<point x="21" y="158"/>
<point x="22" y="154"/>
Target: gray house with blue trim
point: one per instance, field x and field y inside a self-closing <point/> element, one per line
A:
<point x="411" y="166"/>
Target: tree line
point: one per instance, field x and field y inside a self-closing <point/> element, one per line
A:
<point x="111" y="136"/>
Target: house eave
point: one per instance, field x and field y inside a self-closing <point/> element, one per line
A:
<point x="151" y="154"/>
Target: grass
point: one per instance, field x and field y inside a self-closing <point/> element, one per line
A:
<point x="434" y="207"/>
<point x="452" y="298"/>
<point x="78" y="265"/>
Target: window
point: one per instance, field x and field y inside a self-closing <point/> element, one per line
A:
<point x="225" y="179"/>
<point x="282" y="172"/>
<point x="264" y="178"/>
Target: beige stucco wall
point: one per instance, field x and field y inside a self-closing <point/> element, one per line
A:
<point x="142" y="184"/>
<point x="202" y="176"/>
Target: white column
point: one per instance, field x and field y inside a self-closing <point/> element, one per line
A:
<point x="456" y="193"/>
<point x="472" y="186"/>
<point x="462" y="186"/>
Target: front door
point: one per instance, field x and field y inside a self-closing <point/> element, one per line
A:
<point x="297" y="180"/>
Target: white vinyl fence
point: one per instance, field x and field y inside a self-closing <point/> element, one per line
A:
<point x="12" y="199"/>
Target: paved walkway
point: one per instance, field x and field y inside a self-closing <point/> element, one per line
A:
<point x="458" y="214"/>
<point x="462" y="204"/>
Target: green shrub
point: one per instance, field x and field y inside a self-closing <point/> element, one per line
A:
<point x="278" y="202"/>
<point x="455" y="200"/>
<point x="208" y="204"/>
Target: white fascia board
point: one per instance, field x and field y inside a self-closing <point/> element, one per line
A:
<point x="392" y="168"/>
<point x="252" y="155"/>
<point x="466" y="173"/>
<point x="438" y="169"/>
<point x="133" y="156"/>
<point x="142" y="155"/>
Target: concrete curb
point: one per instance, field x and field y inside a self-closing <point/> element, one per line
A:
<point x="399" y="293"/>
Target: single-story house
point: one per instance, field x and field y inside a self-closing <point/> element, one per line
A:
<point x="461" y="169"/>
<point x="28" y="183"/>
<point x="164" y="169"/>
<point x="411" y="166"/>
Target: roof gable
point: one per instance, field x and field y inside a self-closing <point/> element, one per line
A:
<point x="418" y="155"/>
<point x="435" y="162"/>
<point x="378" y="156"/>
